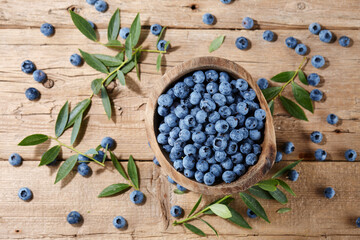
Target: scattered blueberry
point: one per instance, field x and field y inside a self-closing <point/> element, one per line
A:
<point x="32" y="94"/>
<point x="28" y="66"/>
<point x="329" y="192"/>
<point x="161" y="45"/>
<point x="247" y="23"/>
<point x="316" y="137"/>
<point x="316" y="95"/>
<point x="25" y="194"/>
<point x="92" y="24"/>
<point x="226" y="1"/>
<point x="107" y="142"/>
<point x="99" y="157"/>
<point x="181" y="188"/>
<point x="156" y="161"/>
<point x="301" y="49"/>
<point x="313" y="79"/>
<point x="124" y="32"/>
<point x="344" y="41"/>
<point x="293" y="175"/>
<point x="358" y="222"/>
<point x="15" y="159"/>
<point x="155" y="29"/>
<point x="136" y="197"/>
<point x="82" y="158"/>
<point x="47" y="29"/>
<point x="39" y="76"/>
<point x="350" y="155"/>
<point x="84" y="169"/>
<point x="119" y="222"/>
<point x="242" y="43"/>
<point x="314" y="28"/>
<point x="291" y="42"/>
<point x="250" y="213"/>
<point x="278" y="157"/>
<point x="262" y="83"/>
<point x="76" y="59"/>
<point x="318" y="61"/>
<point x="91" y="2"/>
<point x="101" y="6"/>
<point x="208" y="18"/>
<point x="170" y="180"/>
<point x="332" y="119"/>
<point x="268" y="36"/>
<point x="288" y="147"/>
<point x="73" y="217"/>
<point x="176" y="211"/>
<point x="320" y="154"/>
<point x="325" y="36"/>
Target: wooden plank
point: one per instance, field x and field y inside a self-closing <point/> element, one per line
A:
<point x="45" y="215"/>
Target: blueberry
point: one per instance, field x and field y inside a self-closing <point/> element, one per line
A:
<point x="156" y="162"/>
<point x="39" y="76"/>
<point x="101" y="6"/>
<point x="15" y="159"/>
<point x="211" y="160"/>
<point x="212" y="87"/>
<point x="155" y="29"/>
<point x="83" y="169"/>
<point x="314" y="28"/>
<point x="201" y="116"/>
<point x="209" y="140"/>
<point x="197" y="128"/>
<point x="170" y="180"/>
<point x="162" y="139"/>
<point x="225" y="88"/>
<point x="344" y="41"/>
<point x="268" y="36"/>
<point x="316" y="95"/>
<point x="219" y="99"/>
<point x="250" y="213"/>
<point x="245" y="148"/>
<point x="291" y="42"/>
<point x="227" y="164"/>
<point x="162" y="111"/>
<point x="164" y="128"/>
<point x="172" y="120"/>
<point x="189" y="81"/>
<point x="318" y="61"/>
<point x="73" y="217"/>
<point x="232" y="148"/>
<point x="91" y="2"/>
<point x="198" y="77"/>
<point x="262" y="83"/>
<point x="313" y="79"/>
<point x="226" y="1"/>
<point x="109" y="142"/>
<point x="357" y="222"/>
<point x="216" y="170"/>
<point x="278" y="157"/>
<point x="176" y="211"/>
<point x="210" y="129"/>
<point x="224" y="77"/>
<point x="211" y="75"/>
<point x="260" y="114"/>
<point x="228" y="176"/>
<point x="167" y="148"/>
<point x="82" y="158"/>
<point x="209" y="178"/>
<point x="249" y="94"/>
<point x="178" y="165"/>
<point x="260" y="125"/>
<point x="136" y="197"/>
<point x="189" y="162"/>
<point x="325" y="36"/>
<point x="239" y="169"/>
<point x="119" y="222"/>
<point x="237" y="158"/>
<point x="181" y="111"/>
<point x="189" y="173"/>
<point x="199" y="176"/>
<point x="242" y="108"/>
<point x="47" y="29"/>
<point x="195" y="98"/>
<point x="214" y="117"/>
<point x="241" y="84"/>
<point x="350" y="155"/>
<point x="329" y="192"/>
<point x="161" y="45"/>
<point x="288" y="147"/>
<point x="320" y="155"/>
<point x="181" y="90"/>
<point x="124" y="32"/>
<point x="92" y="24"/>
<point x="25" y="194"/>
<point x="301" y="49"/>
<point x="165" y="100"/>
<point x="247" y="23"/>
<point x="220" y="156"/>
<point x="99" y="157"/>
<point x="293" y="175"/>
<point x="236" y="135"/>
<point x="221" y="126"/>
<point x="251" y="159"/>
<point x="219" y="144"/>
<point x="76" y="60"/>
<point x="255" y="135"/>
<point x="208" y="18"/>
<point x="28" y="66"/>
<point x="199" y="87"/>
<point x="232" y="121"/>
<point x="332" y="119"/>
<point x="181" y="188"/>
<point x="190" y="121"/>
<point x="225" y="111"/>
<point x="242" y="43"/>
<point x="32" y="94"/>
<point x="184" y="135"/>
<point x="251" y="123"/>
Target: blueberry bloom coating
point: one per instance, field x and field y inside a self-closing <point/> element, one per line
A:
<point x="216" y="170"/>
<point x="101" y="6"/>
<point x="155" y="29"/>
<point x="32" y="94"/>
<point x="251" y="159"/>
<point x="108" y="141"/>
<point x="227" y="164"/>
<point x="15" y="159"/>
<point x="301" y="49"/>
<point x="350" y="155"/>
<point x="208" y="18"/>
<point x="329" y="192"/>
<point x="73" y="217"/>
<point x="242" y="43"/>
<point x="209" y="178"/>
<point x="228" y="176"/>
<point x="262" y="83"/>
<point x="242" y="108"/>
<point x="211" y="75"/>
<point x="161" y="45"/>
<point x="124" y="32"/>
<point x="250" y="213"/>
<point x="156" y="162"/>
<point x="28" y="66"/>
<point x="91" y="2"/>
<point x="99" y="157"/>
<point x="199" y="176"/>
<point x="278" y="157"/>
<point x="332" y="119"/>
<point x="83" y="169"/>
<point x="251" y="123"/>
<point x="165" y="100"/>
<point x="344" y="41"/>
<point x="247" y="23"/>
<point x="178" y="165"/>
<point x="268" y="35"/>
<point x="181" y="90"/>
<point x="136" y="197"/>
<point x="176" y="211"/>
<point x="170" y="180"/>
<point x="316" y="137"/>
<point x="313" y="79"/>
<point x="239" y="169"/>
<point x="76" y="59"/>
<point x="320" y="154"/>
<point x="189" y="162"/>
<point x="237" y="158"/>
<point x="47" y="29"/>
<point x="39" y="76"/>
<point x="293" y="175"/>
<point x="245" y="148"/>
<point x="82" y="158"/>
<point x="224" y="77"/>
<point x="219" y="144"/>
<point x="92" y="24"/>
<point x="189" y="81"/>
<point x="314" y="28"/>
<point x="25" y="194"/>
<point x="291" y="42"/>
<point x="221" y="126"/>
<point x="189" y="173"/>
<point x="288" y="147"/>
<point x="318" y="61"/>
<point x="325" y="36"/>
<point x="181" y="188"/>
<point x="260" y="114"/>
<point x="119" y="222"/>
<point x="316" y="95"/>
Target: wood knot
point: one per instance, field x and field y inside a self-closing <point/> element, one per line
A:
<point x="73" y="8"/>
<point x="17" y="230"/>
<point x="337" y="131"/>
<point x="301" y="6"/>
<point x="49" y="83"/>
<point x="194" y="7"/>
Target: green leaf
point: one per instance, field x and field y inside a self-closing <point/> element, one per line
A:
<point x="76" y="128"/>
<point x="108" y="81"/>
<point x="98" y="148"/>
<point x="254" y="205"/>
<point x="238" y="219"/>
<point x="260" y="193"/>
<point x="80" y="108"/>
<point x="137" y="68"/>
<point x="34" y="139"/>
<point x="216" y="43"/>
<point x="62" y="120"/>
<point x="113" y="43"/>
<point x="91" y="151"/>
<point x="84" y="26"/>
<point x="133" y="172"/>
<point x="194" y="229"/>
<point x="128" y="67"/>
<point x="166" y="45"/>
<point x="135" y="30"/>
<point x="66" y="167"/>
<point x="269" y="185"/>
<point x="96" y="85"/>
<point x="220" y="210"/>
<point x="283" y="210"/>
<point x="109" y="61"/>
<point x="50" y="155"/>
<point x="118" y="166"/>
<point x="120" y="55"/>
<point x="293" y="109"/>
<point x="302" y="97"/>
<point x="158" y="62"/>
<point x="160" y="35"/>
<point x="128" y="47"/>
<point x="121" y="77"/>
<point x="279" y="196"/>
<point x="283" y="77"/>
<point x="271" y="92"/>
<point x="177" y="191"/>
<point x="302" y="77"/>
<point x="285" y="169"/>
<point x="93" y="62"/>
<point x="212" y="228"/>
<point x="105" y="154"/>
<point x="113" y="189"/>
<point x="195" y="206"/>
<point x="106" y="101"/>
<point x="286" y="187"/>
<point x="114" y="26"/>
<point x="225" y="200"/>
<point x="271" y="106"/>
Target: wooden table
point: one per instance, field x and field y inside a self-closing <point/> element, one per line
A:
<point x="312" y="216"/>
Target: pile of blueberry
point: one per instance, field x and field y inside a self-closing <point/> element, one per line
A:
<point x="212" y="126"/>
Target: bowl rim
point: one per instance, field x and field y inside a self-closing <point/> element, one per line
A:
<point x="265" y="160"/>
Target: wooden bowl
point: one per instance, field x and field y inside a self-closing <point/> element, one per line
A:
<point x="255" y="173"/>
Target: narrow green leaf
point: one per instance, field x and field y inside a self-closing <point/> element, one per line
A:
<point x="271" y="106"/>
<point x="177" y="191"/>
<point x="98" y="148"/>
<point x="62" y="120"/>
<point x="285" y="169"/>
<point x="195" y="206"/>
<point x="91" y="151"/>
<point x="269" y="185"/>
<point x="194" y="229"/>
<point x="216" y="43"/>
<point x="238" y="219"/>
<point x="113" y="189"/>
<point x="160" y="35"/>
<point x="108" y="81"/>
<point x="283" y="210"/>
<point x="166" y="45"/>
<point x="66" y="167"/>
<point x="50" y="155"/>
<point x="80" y="108"/>
<point x="283" y="77"/>
<point x="212" y="228"/>
<point x="34" y="139"/>
<point x="279" y="196"/>
<point x="121" y="77"/>
<point x="225" y="200"/>
<point x="93" y="62"/>
<point x="286" y="187"/>
<point x="109" y="61"/>
<point x="84" y="26"/>
<point x="302" y="97"/>
<point x="106" y="101"/>
<point x="271" y="92"/>
<point x="114" y="26"/>
<point x="302" y="77"/>
<point x="135" y="30"/>
<point x="158" y="62"/>
<point x="105" y="154"/>
<point x="254" y="205"/>
<point x="114" y="43"/>
<point x="133" y="172"/>
<point x="260" y="193"/>
<point x="293" y="109"/>
<point x="128" y="47"/>
<point x="120" y="55"/>
<point x="220" y="210"/>
<point x="76" y="128"/>
<point x="96" y="85"/>
<point x="118" y="166"/>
